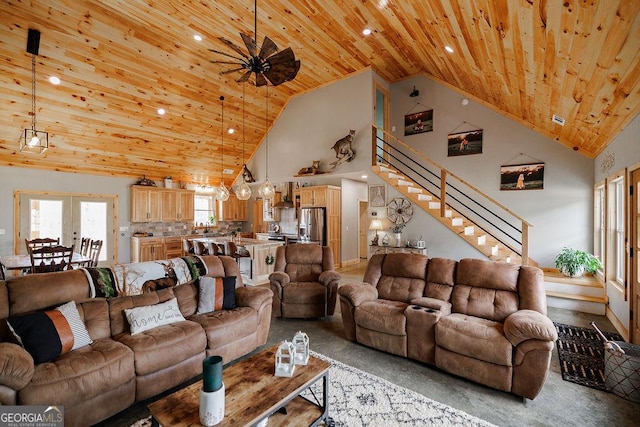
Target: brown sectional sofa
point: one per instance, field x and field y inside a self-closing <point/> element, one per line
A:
<point x="482" y="320"/>
<point x="118" y="368"/>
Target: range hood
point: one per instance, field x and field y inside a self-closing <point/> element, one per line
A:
<point x="287" y="196"/>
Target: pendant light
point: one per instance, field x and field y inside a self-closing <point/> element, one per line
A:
<point x="34" y="141"/>
<point x="266" y="190"/>
<point x="222" y="193"/>
<point x="243" y="192"/>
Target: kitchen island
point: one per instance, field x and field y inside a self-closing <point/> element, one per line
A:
<point x="255" y="269"/>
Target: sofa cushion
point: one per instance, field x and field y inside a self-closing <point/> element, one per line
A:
<point x="474" y="337"/>
<point x="48" y="334"/>
<point x="152" y="316"/>
<point x="227" y="326"/>
<point x="304" y="293"/>
<point x="164" y="346"/>
<point x="382" y="316"/>
<point x="440" y="278"/>
<point x="216" y="293"/>
<point x="87" y="372"/>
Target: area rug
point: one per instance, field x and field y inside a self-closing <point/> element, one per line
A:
<point x="581" y="354"/>
<point x="357" y="398"/>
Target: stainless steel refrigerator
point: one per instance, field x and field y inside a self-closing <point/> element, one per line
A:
<point x="312" y="225"/>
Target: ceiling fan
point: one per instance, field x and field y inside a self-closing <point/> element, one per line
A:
<point x="269" y="64"/>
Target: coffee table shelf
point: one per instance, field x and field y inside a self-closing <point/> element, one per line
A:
<point x="253" y="393"/>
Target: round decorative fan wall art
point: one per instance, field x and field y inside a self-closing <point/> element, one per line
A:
<point x="399" y="210"/>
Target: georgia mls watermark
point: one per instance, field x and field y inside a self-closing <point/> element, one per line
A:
<point x="31" y="416"/>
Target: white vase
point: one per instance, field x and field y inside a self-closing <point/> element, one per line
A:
<point x="211" y="407"/>
<point x="398" y="239"/>
<point x="578" y="273"/>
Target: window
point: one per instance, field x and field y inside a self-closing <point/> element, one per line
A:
<point x="618" y="228"/>
<point x="615" y="233"/>
<point x="599" y="222"/>
<point x="204" y="209"/>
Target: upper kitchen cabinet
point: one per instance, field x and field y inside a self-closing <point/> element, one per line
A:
<point x="233" y="209"/>
<point x="146" y="204"/>
<point x="177" y="205"/>
<point x="315" y="196"/>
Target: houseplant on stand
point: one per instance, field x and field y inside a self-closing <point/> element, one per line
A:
<point x="397" y="231"/>
<point x="574" y="262"/>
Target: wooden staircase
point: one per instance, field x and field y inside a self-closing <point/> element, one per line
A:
<point x="456" y="222"/>
<point x="585" y="294"/>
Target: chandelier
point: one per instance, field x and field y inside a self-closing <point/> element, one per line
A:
<point x="34" y="141"/>
<point x="222" y="193"/>
<point x="243" y="192"/>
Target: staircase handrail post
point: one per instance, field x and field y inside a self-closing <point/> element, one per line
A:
<point x="374" y="146"/>
<point x="443" y="191"/>
<point x="525" y="244"/>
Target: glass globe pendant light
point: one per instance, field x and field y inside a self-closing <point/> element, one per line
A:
<point x="222" y="193"/>
<point x="266" y="190"/>
<point x="243" y="192"/>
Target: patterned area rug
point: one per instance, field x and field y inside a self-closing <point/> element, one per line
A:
<point x="581" y="353"/>
<point x="357" y="398"/>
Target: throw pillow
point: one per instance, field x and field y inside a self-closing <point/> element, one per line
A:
<point x="151" y="316"/>
<point x="48" y="334"/>
<point x="216" y="293"/>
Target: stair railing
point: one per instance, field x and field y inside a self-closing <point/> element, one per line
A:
<point x="497" y="220"/>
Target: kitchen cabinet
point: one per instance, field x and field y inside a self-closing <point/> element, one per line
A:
<point x="313" y="196"/>
<point x="147" y="249"/>
<point x="259" y="225"/>
<point x="262" y="270"/>
<point x="330" y="197"/>
<point x="233" y="209"/>
<point x="173" y="247"/>
<point x="146" y="204"/>
<point x="177" y="205"/>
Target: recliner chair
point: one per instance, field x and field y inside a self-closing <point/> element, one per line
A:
<point x="304" y="282"/>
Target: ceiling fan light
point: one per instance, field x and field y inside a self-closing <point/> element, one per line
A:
<point x="243" y="192"/>
<point x="266" y="190"/>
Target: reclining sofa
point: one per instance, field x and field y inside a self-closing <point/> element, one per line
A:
<point x="120" y="367"/>
<point x="481" y="320"/>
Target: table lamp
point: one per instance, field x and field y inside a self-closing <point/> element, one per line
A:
<point x="376" y="225"/>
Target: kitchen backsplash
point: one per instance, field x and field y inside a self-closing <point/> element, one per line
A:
<point x="288" y="221"/>
<point x="180" y="228"/>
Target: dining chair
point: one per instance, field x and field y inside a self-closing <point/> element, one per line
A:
<point x="187" y="247"/>
<point x="41" y="242"/>
<point x="3" y="274"/>
<point x="200" y="248"/>
<point x="84" y="245"/>
<point x="94" y="252"/>
<point x="50" y="258"/>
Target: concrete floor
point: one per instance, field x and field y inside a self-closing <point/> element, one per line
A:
<point x="560" y="403"/>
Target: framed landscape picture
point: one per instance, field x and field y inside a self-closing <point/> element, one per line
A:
<point x="463" y="143"/>
<point x="418" y="122"/>
<point x="528" y="176"/>
<point x="377" y="196"/>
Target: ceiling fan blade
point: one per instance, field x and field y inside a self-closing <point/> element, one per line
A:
<point x="268" y="48"/>
<point x="260" y="80"/>
<point x="233" y="70"/>
<point x="243" y="59"/>
<point x="244" y="77"/>
<point x="249" y="43"/>
<point x="228" y="62"/>
<point x="233" y="46"/>
<point x="283" y="67"/>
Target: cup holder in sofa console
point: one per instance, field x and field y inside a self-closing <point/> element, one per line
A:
<point x="428" y="310"/>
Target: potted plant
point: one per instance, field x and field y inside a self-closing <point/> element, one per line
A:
<point x="397" y="230"/>
<point x="574" y="262"/>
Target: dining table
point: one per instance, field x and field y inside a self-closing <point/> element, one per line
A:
<point x="23" y="261"/>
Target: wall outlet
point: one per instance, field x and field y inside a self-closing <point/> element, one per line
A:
<point x="124" y="228"/>
<point x="2" y="231"/>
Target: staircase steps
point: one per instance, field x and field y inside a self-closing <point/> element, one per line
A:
<point x="453" y="220"/>
<point x="585" y="294"/>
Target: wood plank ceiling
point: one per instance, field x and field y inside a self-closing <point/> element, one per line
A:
<point x="121" y="60"/>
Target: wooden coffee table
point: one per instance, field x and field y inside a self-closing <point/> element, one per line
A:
<point x="253" y="393"/>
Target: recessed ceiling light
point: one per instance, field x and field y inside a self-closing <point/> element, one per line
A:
<point x="197" y="37"/>
<point x="231" y="130"/>
<point x="366" y="31"/>
<point x="54" y="80"/>
<point x="161" y="111"/>
<point x="448" y="49"/>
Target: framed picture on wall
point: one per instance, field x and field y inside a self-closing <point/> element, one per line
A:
<point x="418" y="122"/>
<point x="463" y="143"/>
<point x="528" y="176"/>
<point x="377" y="196"/>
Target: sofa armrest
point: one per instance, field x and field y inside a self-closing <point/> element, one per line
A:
<point x="280" y="277"/>
<point x="326" y="277"/>
<point x="253" y="297"/>
<point x="529" y="324"/>
<point x="16" y="366"/>
<point x="358" y="293"/>
<point x="433" y="303"/>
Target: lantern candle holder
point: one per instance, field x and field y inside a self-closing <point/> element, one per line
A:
<point x="301" y="344"/>
<point x="285" y="359"/>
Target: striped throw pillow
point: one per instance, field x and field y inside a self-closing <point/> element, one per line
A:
<point x="216" y="293"/>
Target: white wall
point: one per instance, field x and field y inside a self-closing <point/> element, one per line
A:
<point x="16" y="178"/>
<point x="561" y="213"/>
<point x="352" y="193"/>
<point x="623" y="152"/>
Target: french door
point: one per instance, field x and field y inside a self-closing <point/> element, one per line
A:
<point x="634" y="330"/>
<point x="69" y="217"/>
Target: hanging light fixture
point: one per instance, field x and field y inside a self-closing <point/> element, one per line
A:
<point x="34" y="141"/>
<point x="243" y="192"/>
<point x="266" y="190"/>
<point x="222" y="193"/>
